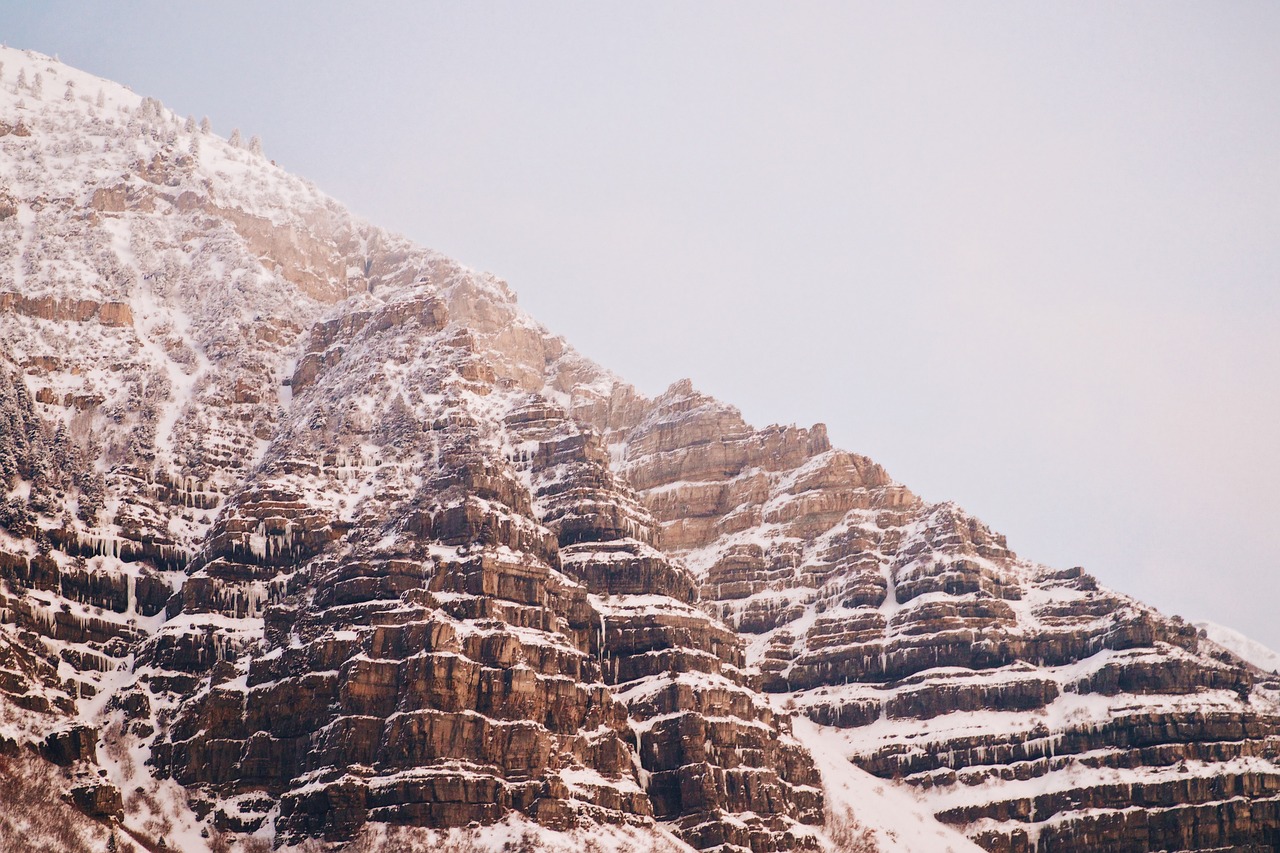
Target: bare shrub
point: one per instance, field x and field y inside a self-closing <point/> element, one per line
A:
<point x="116" y="747"/>
<point x="413" y="840"/>
<point x="310" y="845"/>
<point x="847" y="833"/>
<point x="526" y="843"/>
<point x="460" y="843"/>
<point x="33" y="815"/>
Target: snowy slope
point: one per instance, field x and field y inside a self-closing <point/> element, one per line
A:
<point x="1241" y="646"/>
<point x="896" y="818"/>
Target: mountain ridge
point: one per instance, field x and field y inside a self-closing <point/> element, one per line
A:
<point x="336" y="538"/>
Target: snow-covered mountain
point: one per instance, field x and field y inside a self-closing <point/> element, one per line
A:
<point x="312" y="535"/>
<point x="1245" y="648"/>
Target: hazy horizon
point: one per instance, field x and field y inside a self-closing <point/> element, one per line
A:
<point x="1024" y="257"/>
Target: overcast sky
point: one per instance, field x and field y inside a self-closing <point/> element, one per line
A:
<point x="1027" y="256"/>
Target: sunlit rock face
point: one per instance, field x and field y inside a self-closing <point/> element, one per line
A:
<point x="418" y="656"/>
<point x="1028" y="706"/>
<point x="308" y="532"/>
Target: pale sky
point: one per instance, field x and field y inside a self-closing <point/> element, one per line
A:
<point x="1026" y="256"/>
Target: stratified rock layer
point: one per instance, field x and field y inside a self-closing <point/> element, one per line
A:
<point x="306" y="529"/>
<point x="1031" y="707"/>
<point x="718" y="761"/>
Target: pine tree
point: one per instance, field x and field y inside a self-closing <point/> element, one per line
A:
<point x="37" y="85"/>
<point x="255" y="145"/>
<point x="70" y="94"/>
<point x="8" y="455"/>
<point x="235" y="141"/>
<point x="65" y="454"/>
<point x="206" y="126"/>
<point x="17" y="425"/>
<point x="102" y="99"/>
<point x="190" y="126"/>
<point x="93" y="493"/>
<point x="1" y="70"/>
<point x="151" y="108"/>
<point x="22" y="78"/>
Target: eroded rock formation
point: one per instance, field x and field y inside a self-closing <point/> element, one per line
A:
<point x="307" y="530"/>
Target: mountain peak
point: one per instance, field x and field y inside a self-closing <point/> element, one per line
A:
<point x="309" y="532"/>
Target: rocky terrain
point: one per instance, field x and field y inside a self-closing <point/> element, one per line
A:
<point x="311" y="536"/>
<point x="1028" y="706"/>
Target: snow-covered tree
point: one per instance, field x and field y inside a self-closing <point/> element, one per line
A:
<point x="151" y="108"/>
<point x="70" y="93"/>
<point x="22" y="78"/>
<point x="235" y="139"/>
<point x="190" y="126"/>
<point x="37" y="85"/>
<point x="18" y="427"/>
<point x="93" y="493"/>
<point x="206" y="126"/>
<point x="102" y="99"/>
<point x="65" y="454"/>
<point x="255" y="145"/>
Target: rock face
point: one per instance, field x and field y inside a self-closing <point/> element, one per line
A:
<point x="711" y="747"/>
<point x="396" y="641"/>
<point x="308" y="531"/>
<point x="347" y="560"/>
<point x="1028" y="706"/>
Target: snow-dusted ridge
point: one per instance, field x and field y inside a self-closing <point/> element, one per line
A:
<point x="1243" y="647"/>
<point x="309" y="531"/>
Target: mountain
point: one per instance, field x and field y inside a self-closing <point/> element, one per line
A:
<point x="311" y="535"/>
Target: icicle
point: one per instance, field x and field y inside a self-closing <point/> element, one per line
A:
<point x="602" y="634"/>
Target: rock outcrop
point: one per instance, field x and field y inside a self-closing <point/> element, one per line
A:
<point x="383" y="570"/>
<point x="1030" y="707"/>
<point x="712" y="749"/>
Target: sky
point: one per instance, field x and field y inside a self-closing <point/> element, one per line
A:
<point x="1025" y="256"/>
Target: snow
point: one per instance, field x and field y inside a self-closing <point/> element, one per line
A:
<point x="517" y="833"/>
<point x="198" y="297"/>
<point x="1241" y="646"/>
<point x="898" y="819"/>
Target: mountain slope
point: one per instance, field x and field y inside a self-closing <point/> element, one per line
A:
<point x="1030" y="706"/>
<point x="310" y="532"/>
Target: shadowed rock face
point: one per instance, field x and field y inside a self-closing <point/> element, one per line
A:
<point x="321" y="526"/>
<point x="713" y="750"/>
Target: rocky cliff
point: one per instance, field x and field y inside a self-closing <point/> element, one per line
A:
<point x="1029" y="706"/>
<point x="311" y="534"/>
